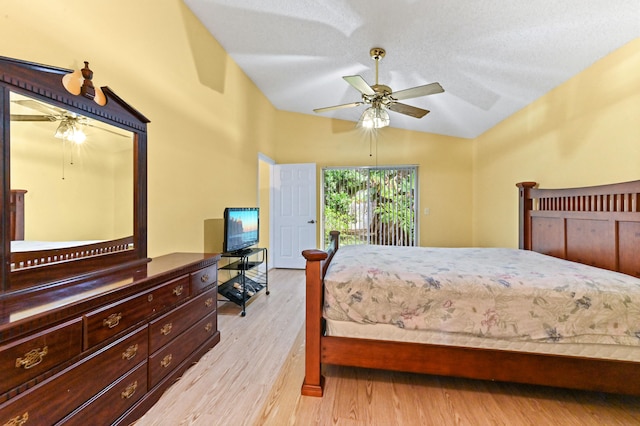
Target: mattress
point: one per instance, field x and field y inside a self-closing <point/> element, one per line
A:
<point x="392" y="333"/>
<point x="24" y="246"/>
<point x="487" y="293"/>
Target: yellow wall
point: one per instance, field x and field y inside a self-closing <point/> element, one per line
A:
<point x="74" y="192"/>
<point x="208" y="120"/>
<point x="444" y="166"/>
<point x="584" y="132"/>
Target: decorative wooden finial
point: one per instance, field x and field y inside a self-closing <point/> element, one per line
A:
<point x="87" y="90"/>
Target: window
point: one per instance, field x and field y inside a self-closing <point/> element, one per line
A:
<point x="370" y="205"/>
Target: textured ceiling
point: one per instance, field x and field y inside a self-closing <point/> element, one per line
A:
<point x="492" y="57"/>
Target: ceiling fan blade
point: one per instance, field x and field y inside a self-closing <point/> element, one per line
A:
<point x="408" y="110"/>
<point x="38" y="106"/>
<point x="331" y="108"/>
<point x="414" y="92"/>
<point x="30" y="117"/>
<point x="360" y="85"/>
<point x="106" y="130"/>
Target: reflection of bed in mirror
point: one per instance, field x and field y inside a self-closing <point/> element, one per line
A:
<point x="29" y="253"/>
<point x="72" y="197"/>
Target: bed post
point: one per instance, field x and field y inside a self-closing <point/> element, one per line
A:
<point x="17" y="214"/>
<point x="313" y="380"/>
<point x="334" y="242"/>
<point x="525" y="205"/>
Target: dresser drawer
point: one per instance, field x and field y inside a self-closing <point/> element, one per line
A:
<point x="53" y="399"/>
<point x="166" y="359"/>
<point x="106" y="322"/>
<point x="25" y="359"/>
<point x="117" y="399"/>
<point x="203" y="278"/>
<point x="170" y="325"/>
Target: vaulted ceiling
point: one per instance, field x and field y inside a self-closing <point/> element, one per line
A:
<point x="491" y="57"/>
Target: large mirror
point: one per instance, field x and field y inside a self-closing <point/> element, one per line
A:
<point x="75" y="174"/>
<point x="74" y="178"/>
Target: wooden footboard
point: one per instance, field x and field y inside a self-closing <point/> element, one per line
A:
<point x="30" y="259"/>
<point x="598" y="226"/>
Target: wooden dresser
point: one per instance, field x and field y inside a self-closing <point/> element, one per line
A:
<point x="104" y="350"/>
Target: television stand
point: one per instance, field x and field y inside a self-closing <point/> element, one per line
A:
<point x="248" y="279"/>
<point x="240" y="253"/>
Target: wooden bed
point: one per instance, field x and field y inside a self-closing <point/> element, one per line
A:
<point x="598" y="226"/>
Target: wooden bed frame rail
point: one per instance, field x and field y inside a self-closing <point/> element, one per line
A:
<point x="599" y="226"/>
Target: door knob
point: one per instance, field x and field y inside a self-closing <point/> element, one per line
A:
<point x="312" y="221"/>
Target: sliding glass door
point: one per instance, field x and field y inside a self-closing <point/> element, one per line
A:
<point x="370" y="205"/>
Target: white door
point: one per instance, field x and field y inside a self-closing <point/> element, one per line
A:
<point x="294" y="213"/>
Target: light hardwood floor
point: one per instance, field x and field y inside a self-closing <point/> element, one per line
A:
<point x="253" y="377"/>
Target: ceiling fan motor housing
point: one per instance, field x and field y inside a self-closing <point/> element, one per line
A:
<point x="377" y="53"/>
<point x="381" y="97"/>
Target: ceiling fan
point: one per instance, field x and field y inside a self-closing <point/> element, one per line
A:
<point x="381" y="98"/>
<point x="71" y="124"/>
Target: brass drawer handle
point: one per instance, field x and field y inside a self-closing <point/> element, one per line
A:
<point x="178" y="290"/>
<point x="166" y="361"/>
<point x="130" y="352"/>
<point x="18" y="420"/>
<point x="208" y="302"/>
<point x="32" y="358"/>
<point x="112" y="321"/>
<point x="204" y="278"/>
<point x="166" y="329"/>
<point x="208" y="327"/>
<point x="129" y="391"/>
<point x="150" y="298"/>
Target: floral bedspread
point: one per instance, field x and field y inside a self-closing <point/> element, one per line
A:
<point x="489" y="292"/>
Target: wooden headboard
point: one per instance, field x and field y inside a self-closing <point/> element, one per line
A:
<point x="598" y="225"/>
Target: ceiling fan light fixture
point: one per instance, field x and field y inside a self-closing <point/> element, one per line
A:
<point x="374" y="118"/>
<point x="63" y="130"/>
<point x="69" y="130"/>
<point x="78" y="135"/>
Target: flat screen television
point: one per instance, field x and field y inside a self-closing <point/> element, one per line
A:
<point x="241" y="228"/>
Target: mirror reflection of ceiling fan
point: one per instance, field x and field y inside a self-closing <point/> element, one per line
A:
<point x="71" y="125"/>
<point x="382" y="98"/>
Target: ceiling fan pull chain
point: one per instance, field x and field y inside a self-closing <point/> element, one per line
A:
<point x="371" y="144"/>
<point x="62" y="145"/>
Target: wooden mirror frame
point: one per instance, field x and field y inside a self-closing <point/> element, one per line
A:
<point x="44" y="83"/>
